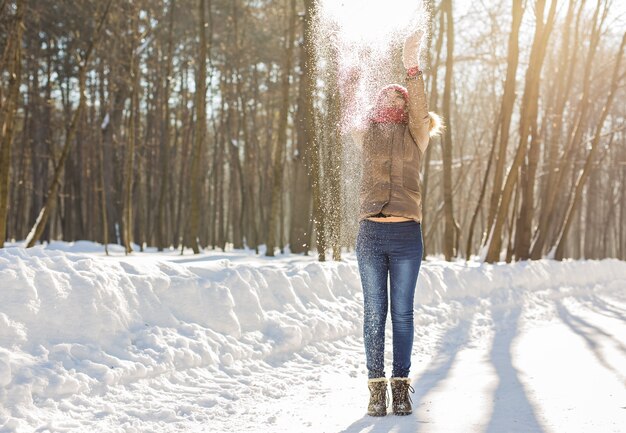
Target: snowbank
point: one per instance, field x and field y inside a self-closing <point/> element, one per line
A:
<point x="79" y="322"/>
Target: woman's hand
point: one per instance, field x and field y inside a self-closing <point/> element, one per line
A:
<point x="411" y="50"/>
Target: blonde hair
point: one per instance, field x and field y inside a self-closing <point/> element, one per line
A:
<point x="435" y="125"/>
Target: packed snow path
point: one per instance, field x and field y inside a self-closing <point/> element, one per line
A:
<point x="232" y="342"/>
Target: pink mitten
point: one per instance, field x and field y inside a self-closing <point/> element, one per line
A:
<point x="411" y="50"/>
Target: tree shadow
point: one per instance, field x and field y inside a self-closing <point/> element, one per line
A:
<point x="452" y="342"/>
<point x="606" y="308"/>
<point x="591" y="334"/>
<point x="512" y="411"/>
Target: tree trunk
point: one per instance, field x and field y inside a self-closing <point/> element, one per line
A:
<point x="280" y="144"/>
<point x="129" y="159"/>
<point x="433" y="103"/>
<point x="334" y="203"/>
<point x="313" y="158"/>
<point x="198" y="152"/>
<point x="299" y="233"/>
<point x="235" y="120"/>
<point x="621" y="240"/>
<point x="506" y="110"/>
<point x="7" y="114"/>
<point x="161" y="230"/>
<point x="450" y="224"/>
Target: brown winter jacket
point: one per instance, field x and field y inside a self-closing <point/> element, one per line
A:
<point x="392" y="156"/>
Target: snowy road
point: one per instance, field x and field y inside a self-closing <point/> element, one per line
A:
<point x="551" y="361"/>
<point x="236" y="343"/>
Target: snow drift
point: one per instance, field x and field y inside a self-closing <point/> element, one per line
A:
<point x="78" y="322"/>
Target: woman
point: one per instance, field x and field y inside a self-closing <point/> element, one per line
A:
<point x="389" y="241"/>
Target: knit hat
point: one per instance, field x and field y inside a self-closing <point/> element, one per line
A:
<point x="382" y="114"/>
<point x="397" y="87"/>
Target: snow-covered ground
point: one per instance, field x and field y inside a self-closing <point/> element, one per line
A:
<point x="233" y="342"/>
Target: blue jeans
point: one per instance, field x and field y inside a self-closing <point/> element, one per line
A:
<point x="393" y="249"/>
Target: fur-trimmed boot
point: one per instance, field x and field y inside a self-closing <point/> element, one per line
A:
<point x="400" y="387"/>
<point x="379" y="396"/>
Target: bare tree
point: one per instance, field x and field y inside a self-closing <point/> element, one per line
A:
<point x="451" y="235"/>
<point x="200" y="133"/>
<point x="165" y="133"/>
<point x="51" y="198"/>
<point x="528" y="118"/>
<point x="558" y="248"/>
<point x="281" y="142"/>
<point x="549" y="212"/>
<point x="501" y="132"/>
<point x="312" y="149"/>
<point x="8" y="109"/>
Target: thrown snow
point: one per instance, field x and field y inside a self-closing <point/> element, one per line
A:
<point x="233" y="342"/>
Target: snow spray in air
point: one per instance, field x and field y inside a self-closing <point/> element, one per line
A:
<point x="359" y="49"/>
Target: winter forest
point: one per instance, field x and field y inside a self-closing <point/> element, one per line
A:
<point x="211" y="122"/>
<point x="184" y="246"/>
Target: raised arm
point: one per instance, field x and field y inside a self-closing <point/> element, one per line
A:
<point x="419" y="120"/>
